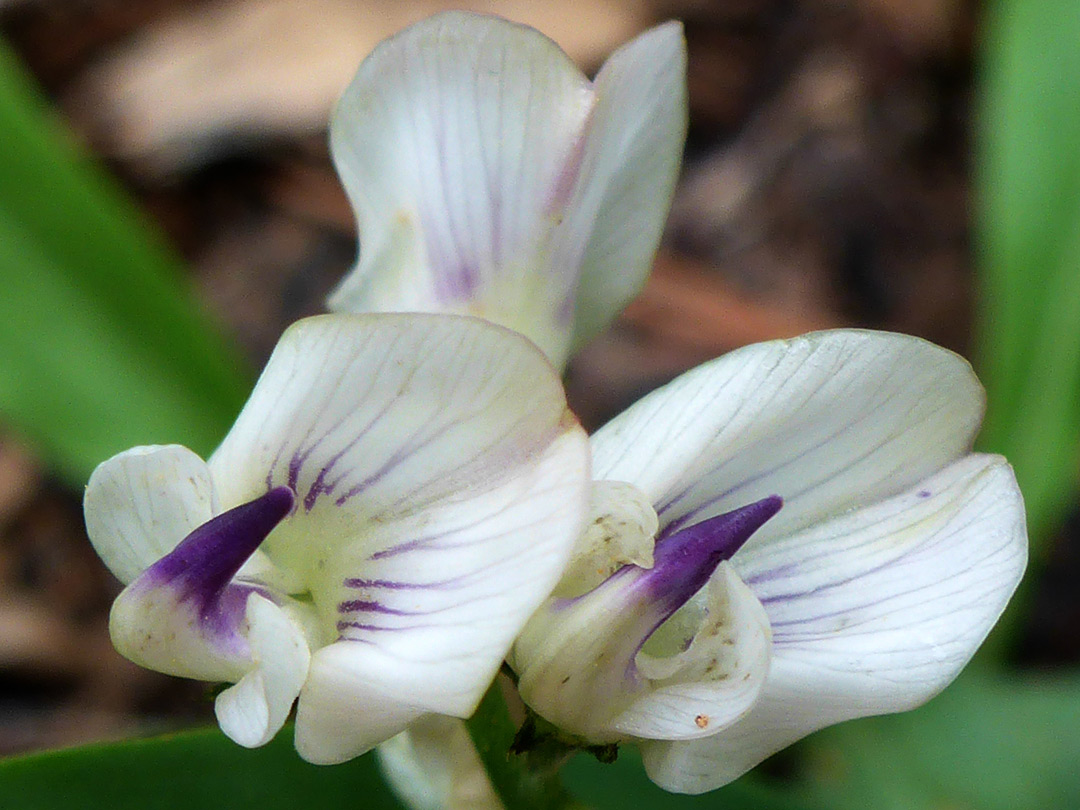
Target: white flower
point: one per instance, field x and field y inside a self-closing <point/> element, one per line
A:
<point x="397" y="496"/>
<point x="826" y="547"/>
<point x="491" y="178"/>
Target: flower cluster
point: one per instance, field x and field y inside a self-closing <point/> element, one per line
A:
<point x="789" y="536"/>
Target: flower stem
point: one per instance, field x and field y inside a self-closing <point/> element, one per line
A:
<point x="519" y="784"/>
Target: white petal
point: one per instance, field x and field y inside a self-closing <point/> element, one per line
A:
<point x="433" y="765"/>
<point x="456" y="143"/>
<point x="451" y="588"/>
<point x="156" y="628"/>
<point x="629" y="166"/>
<point x="635" y="656"/>
<point x="141" y="503"/>
<point x="716" y="680"/>
<point x="253" y="710"/>
<point x="348" y="705"/>
<point x="873" y="612"/>
<point x="620" y="531"/>
<point x="441" y="485"/>
<point x="829" y="421"/>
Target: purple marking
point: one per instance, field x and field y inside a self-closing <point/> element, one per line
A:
<point x="201" y="568"/>
<point x="320" y="486"/>
<point x="410" y="545"/>
<point x="566" y="180"/>
<point x="342" y="626"/>
<point x="395" y="459"/>
<point x="684" y="561"/>
<point x="392" y="585"/>
<point x="369" y="606"/>
<point x="295" y="463"/>
<point x="923" y="493"/>
<point x="467" y="278"/>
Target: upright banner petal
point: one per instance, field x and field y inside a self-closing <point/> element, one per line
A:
<point x="490" y="177"/>
<point x="456" y="144"/>
<point x="629" y="165"/>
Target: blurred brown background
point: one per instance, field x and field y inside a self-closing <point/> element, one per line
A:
<point x="826" y="184"/>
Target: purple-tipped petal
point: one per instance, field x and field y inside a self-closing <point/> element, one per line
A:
<point x="874" y="611"/>
<point x="578" y="659"/>
<point x="204" y="562"/>
<point x="185" y="615"/>
<point x="685" y="560"/>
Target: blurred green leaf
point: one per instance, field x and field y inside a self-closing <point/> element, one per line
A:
<point x="101" y="345"/>
<point x="984" y="744"/>
<point x="200" y="769"/>
<point x="1028" y="240"/>
<point x="623" y="784"/>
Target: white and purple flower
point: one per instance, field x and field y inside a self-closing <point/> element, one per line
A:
<point x="396" y="498"/>
<point x="790" y="536"/>
<point x="491" y="178"/>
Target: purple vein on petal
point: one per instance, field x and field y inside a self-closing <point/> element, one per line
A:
<point x="301" y="453"/>
<point x="394" y="460"/>
<point x="319" y="486"/>
<point x="392" y="585"/>
<point x="342" y="626"/>
<point x="370" y="606"/>
<point x="908" y="552"/>
<point x="866" y="414"/>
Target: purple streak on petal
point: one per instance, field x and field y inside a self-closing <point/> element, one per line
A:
<point x="207" y="559"/>
<point x="566" y="181"/>
<point x="769" y="575"/>
<point x="885" y="564"/>
<point x="413" y="545"/>
<point x="295" y="463"/>
<point x="684" y="561"/>
<point x="368" y="606"/>
<point x="392" y="585"/>
<point x="465" y="281"/>
<point x="398" y="456"/>
<point x="320" y="485"/>
<point x="201" y="568"/>
<point x="342" y="626"/>
<point x="273" y="466"/>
